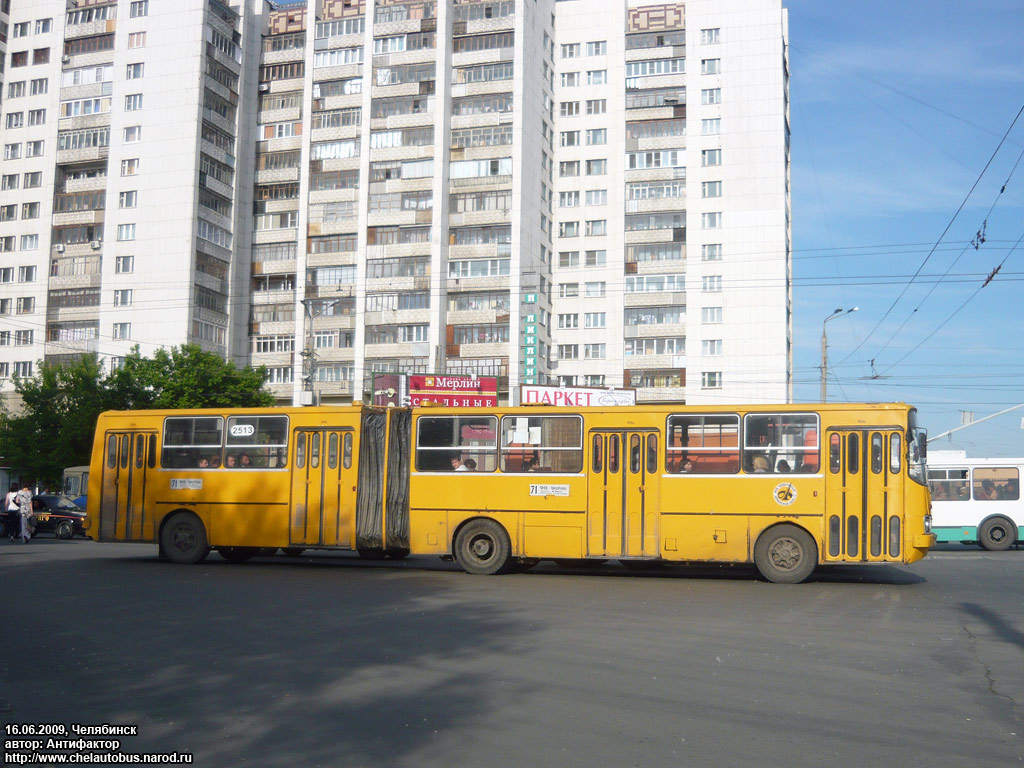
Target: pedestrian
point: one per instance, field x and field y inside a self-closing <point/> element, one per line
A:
<point x="25" y="510"/>
<point x="12" y="512"/>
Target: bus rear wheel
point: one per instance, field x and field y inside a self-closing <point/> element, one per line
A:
<point x="997" y="534"/>
<point x="482" y="548"/>
<point x="237" y="554"/>
<point x="785" y="554"/>
<point x="183" y="539"/>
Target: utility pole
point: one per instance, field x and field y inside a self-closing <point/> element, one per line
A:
<point x="824" y="349"/>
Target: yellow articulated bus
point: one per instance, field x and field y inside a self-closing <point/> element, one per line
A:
<point x="786" y="487"/>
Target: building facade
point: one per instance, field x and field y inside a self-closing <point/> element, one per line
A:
<point x="548" y="192"/>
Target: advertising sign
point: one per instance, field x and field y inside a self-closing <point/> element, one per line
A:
<point x="453" y="390"/>
<point x="576" y="397"/>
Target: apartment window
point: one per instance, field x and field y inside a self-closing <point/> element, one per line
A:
<point x="597" y="77"/>
<point x="710" y="66"/>
<point x="570" y="79"/>
<point x="596" y="258"/>
<point x="570" y="139"/>
<point x="597" y="227"/>
<point x="36" y="117"/>
<point x="7" y="244"/>
<point x="569" y="229"/>
<point x="711" y="189"/>
<point x="711" y="220"/>
<point x="138" y="8"/>
<point x="30" y="211"/>
<point x="711" y="96"/>
<point x="26" y="274"/>
<point x="711" y="127"/>
<point x="568" y="258"/>
<point x="9" y="212"/>
<point x="593" y="351"/>
<point x="41" y="56"/>
<point x="711" y="379"/>
<point x="16" y="90"/>
<point x="709" y="36"/>
<point x="597" y="48"/>
<point x="34" y="148"/>
<point x="43" y="26"/>
<point x="710" y="157"/>
<point x="568" y="351"/>
<point x="711" y="347"/>
<point x="9" y="181"/>
<point x="29" y="242"/>
<point x="19" y="59"/>
<point x="123" y="298"/>
<point x="569" y="108"/>
<point x="711" y="252"/>
<point x="15" y="119"/>
<point x="127" y="199"/>
<point x="711" y="284"/>
<point x="597" y="136"/>
<point x="597" y="197"/>
<point x="26" y="305"/>
<point x="22" y="29"/>
<point x="569" y="168"/>
<point x="33" y="179"/>
<point x="124" y="265"/>
<point x="39" y="87"/>
<point x="132" y="134"/>
<point x="594" y="289"/>
<point x="568" y="290"/>
<point x="711" y="315"/>
<point x="571" y="51"/>
<point x="568" y="322"/>
<point x="132" y="102"/>
<point x="130" y="167"/>
<point x="137" y="40"/>
<point x="23" y="368"/>
<point x="568" y="199"/>
<point x="134" y="71"/>
<point x="597" y="106"/>
<point x="122" y="331"/>
<point x="12" y="151"/>
<point x="595" y="320"/>
<point x="125" y="231"/>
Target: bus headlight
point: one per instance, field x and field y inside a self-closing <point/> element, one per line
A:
<point x="928" y="523"/>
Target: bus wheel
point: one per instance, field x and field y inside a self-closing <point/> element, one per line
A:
<point x="997" y="534"/>
<point x="183" y="539"/>
<point x="785" y="554"/>
<point x="482" y="548"/>
<point x="237" y="554"/>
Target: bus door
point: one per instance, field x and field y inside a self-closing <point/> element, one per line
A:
<point x="862" y="491"/>
<point x="124" y="515"/>
<point x="323" y="488"/>
<point x="622" y="508"/>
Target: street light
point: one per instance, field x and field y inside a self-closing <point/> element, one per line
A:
<point x="824" y="348"/>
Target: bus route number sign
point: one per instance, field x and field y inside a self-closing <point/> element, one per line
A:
<point x="537" y="489"/>
<point x="242" y="430"/>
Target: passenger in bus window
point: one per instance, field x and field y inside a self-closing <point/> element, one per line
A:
<point x="988" y="491"/>
<point x="457" y="464"/>
<point x="783" y="466"/>
<point x="230" y="462"/>
<point x="469" y="465"/>
<point x="759" y="464"/>
<point x="215" y="461"/>
<point x="244" y="461"/>
<point x="688" y="465"/>
<point x="530" y="464"/>
<point x="1010" y="491"/>
<point x="203" y="462"/>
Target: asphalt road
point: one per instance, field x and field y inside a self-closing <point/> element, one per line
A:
<point x="332" y="661"/>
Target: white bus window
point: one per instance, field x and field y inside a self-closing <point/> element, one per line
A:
<point x="456" y="444"/>
<point x="192" y="442"/>
<point x="703" y="444"/>
<point x="257" y="442"/>
<point x="996" y="484"/>
<point x="541" y="444"/>
<point x="788" y="442"/>
<point x="948" y="484"/>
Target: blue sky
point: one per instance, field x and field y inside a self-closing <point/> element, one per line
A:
<point x="896" y="108"/>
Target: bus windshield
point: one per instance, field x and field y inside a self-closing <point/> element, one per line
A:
<point x="917" y="449"/>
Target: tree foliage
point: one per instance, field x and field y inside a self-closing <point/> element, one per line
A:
<point x="54" y="428"/>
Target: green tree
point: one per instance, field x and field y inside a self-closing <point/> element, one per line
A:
<point x="54" y="428"/>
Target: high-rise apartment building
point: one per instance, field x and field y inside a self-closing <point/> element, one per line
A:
<point x="574" y="192"/>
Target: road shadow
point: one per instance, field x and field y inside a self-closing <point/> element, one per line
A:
<point x="1003" y="629"/>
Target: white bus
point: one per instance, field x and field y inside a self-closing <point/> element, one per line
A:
<point x="976" y="500"/>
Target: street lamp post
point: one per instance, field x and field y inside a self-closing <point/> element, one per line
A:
<point x="824" y="348"/>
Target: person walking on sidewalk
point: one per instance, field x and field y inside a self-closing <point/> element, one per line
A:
<point x="25" y="509"/>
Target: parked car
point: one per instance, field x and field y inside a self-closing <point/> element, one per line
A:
<point x="59" y="515"/>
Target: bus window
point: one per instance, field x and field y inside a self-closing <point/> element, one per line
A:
<point x="554" y="443"/>
<point x="140" y="451"/>
<point x="347" y="451"/>
<point x="996" y="484"/>
<point x="314" y="451"/>
<point x="613" y="454"/>
<point x="895" y="453"/>
<point x="112" y="451"/>
<point x="126" y="450"/>
<point x="444" y="443"/>
<point x="786" y="442"/>
<point x="652" y="453"/>
<point x="300" y="449"/>
<point x="596" y="458"/>
<point x="876" y="452"/>
<point x="258" y="441"/>
<point x="853" y="453"/>
<point x="151" y="459"/>
<point x="332" y="451"/>
<point x="634" y="454"/>
<point x="190" y="440"/>
<point x="834" y="453"/>
<point x="709" y="443"/>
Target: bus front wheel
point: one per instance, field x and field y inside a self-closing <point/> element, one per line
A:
<point x="183" y="539"/>
<point x="482" y="548"/>
<point x="997" y="534"/>
<point x="785" y="554"/>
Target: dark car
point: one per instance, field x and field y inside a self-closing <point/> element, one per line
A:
<point x="58" y="515"/>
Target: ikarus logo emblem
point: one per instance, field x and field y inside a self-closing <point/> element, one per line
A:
<point x="785" y="494"/>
